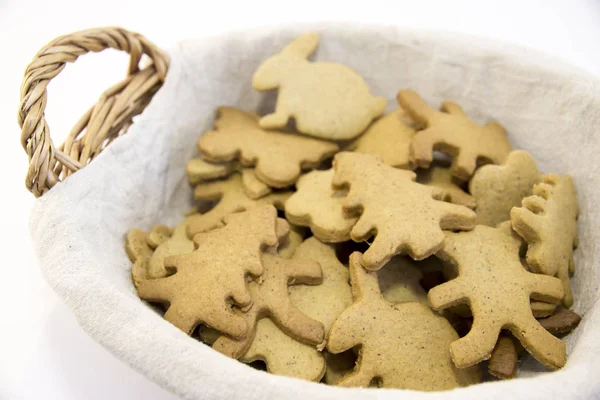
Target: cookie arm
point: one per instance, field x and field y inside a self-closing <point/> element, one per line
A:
<point x="301" y="271"/>
<point x="414" y="105"/>
<point x="455" y="216"/>
<point x="544" y="288"/>
<point x="447" y="294"/>
<point x="452" y="108"/>
<point x="297" y="324"/>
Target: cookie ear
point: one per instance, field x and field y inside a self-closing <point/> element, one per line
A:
<point x="364" y="283"/>
<point x="303" y="46"/>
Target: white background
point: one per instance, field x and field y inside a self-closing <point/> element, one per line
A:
<point x="43" y="352"/>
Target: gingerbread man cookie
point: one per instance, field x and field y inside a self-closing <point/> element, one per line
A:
<point x="498" y="290"/>
<point x="271" y="300"/>
<point x="404" y="345"/>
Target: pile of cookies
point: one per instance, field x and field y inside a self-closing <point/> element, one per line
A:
<point x="341" y="245"/>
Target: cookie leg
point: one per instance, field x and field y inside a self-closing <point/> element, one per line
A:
<point x="563" y="275"/>
<point x="421" y="148"/>
<point x="278" y="119"/>
<point x="181" y="319"/>
<point x="477" y="345"/>
<point x="463" y="165"/>
<point x="359" y="378"/>
<point x="232" y="348"/>
<point x="546" y="348"/>
<point x="297" y="324"/>
<point x="224" y="320"/>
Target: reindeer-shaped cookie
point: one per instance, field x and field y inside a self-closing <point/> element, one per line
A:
<point x="327" y="100"/>
<point x="404" y="345"/>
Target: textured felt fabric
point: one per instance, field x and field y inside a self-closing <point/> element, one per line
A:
<point x="549" y="109"/>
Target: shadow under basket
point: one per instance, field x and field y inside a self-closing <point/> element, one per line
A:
<point x="137" y="180"/>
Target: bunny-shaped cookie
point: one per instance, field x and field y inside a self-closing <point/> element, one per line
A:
<point x="327" y="100"/>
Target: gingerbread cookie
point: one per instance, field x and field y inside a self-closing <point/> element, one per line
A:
<point x="403" y="214"/>
<point x="441" y="177"/>
<point x="289" y="244"/>
<point x="203" y="280"/>
<point x="504" y="358"/>
<point x="499" y="188"/>
<point x="254" y="187"/>
<point x="497" y="288"/>
<point x="199" y="170"/>
<point x="271" y="300"/>
<point x="173" y="243"/>
<point x="326" y="100"/>
<point x="278" y="157"/>
<point x="318" y="206"/>
<point x="139" y="252"/>
<point x="326" y="301"/>
<point x="388" y="138"/>
<point x="561" y="322"/>
<point x="453" y="133"/>
<point x="400" y="281"/>
<point x="284" y="355"/>
<point x="157" y="235"/>
<point x="404" y="345"/>
<point x="548" y="223"/>
<point x="232" y="198"/>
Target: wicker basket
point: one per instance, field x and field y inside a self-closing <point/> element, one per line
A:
<point x="101" y="124"/>
<point x="483" y="76"/>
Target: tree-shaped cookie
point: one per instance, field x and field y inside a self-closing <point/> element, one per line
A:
<point x="402" y="214"/>
<point x="399" y="281"/>
<point x="326" y="100"/>
<point x="499" y="188"/>
<point x="324" y="302"/>
<point x="452" y="132"/>
<point x="270" y="299"/>
<point x="316" y="205"/>
<point x="207" y="280"/>
<point x="498" y="289"/>
<point x="404" y="345"/>
<point x="548" y="223"/>
<point x="440" y="176"/>
<point x="232" y="198"/>
<point x="284" y="355"/>
<point x="388" y="138"/>
<point x="279" y="157"/>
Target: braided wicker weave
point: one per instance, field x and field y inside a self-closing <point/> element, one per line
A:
<point x="101" y="124"/>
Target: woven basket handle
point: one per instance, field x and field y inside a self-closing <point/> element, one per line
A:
<point x="101" y="124"/>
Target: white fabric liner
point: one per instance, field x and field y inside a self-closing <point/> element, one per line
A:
<point x="550" y="109"/>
